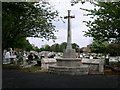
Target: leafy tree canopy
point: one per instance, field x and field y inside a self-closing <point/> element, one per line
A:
<point x="99" y="46"/>
<point x="47" y="48"/>
<point x="106" y="22"/>
<point x="75" y="46"/>
<point x="114" y="49"/>
<point x="59" y="47"/>
<point x="27" y="19"/>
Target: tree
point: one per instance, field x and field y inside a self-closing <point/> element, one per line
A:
<point x="114" y="49"/>
<point x="106" y="22"/>
<point x="42" y="49"/>
<point x="63" y="46"/>
<point x="47" y="48"/>
<point x="99" y="46"/>
<point x="22" y="43"/>
<point x="27" y="19"/>
<point x="55" y="47"/>
<point x="75" y="46"/>
<point x="36" y="49"/>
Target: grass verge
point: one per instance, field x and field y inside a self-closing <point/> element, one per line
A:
<point x="16" y="67"/>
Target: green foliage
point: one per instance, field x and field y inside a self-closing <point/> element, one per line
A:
<point x="22" y="43"/>
<point x="18" y="50"/>
<point x="59" y="47"/>
<point x="114" y="49"/>
<point x="75" y="46"/>
<point x="10" y="67"/>
<point x="47" y="48"/>
<point x="31" y="69"/>
<point x="114" y="63"/>
<point x="106" y="22"/>
<point x="36" y="49"/>
<point x="99" y="46"/>
<point x="55" y="47"/>
<point x="16" y="67"/>
<point x="28" y="47"/>
<point x="26" y="19"/>
<point x="63" y="46"/>
<point x="42" y="49"/>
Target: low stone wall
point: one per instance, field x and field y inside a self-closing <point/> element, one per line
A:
<point x="46" y="62"/>
<point x="96" y="66"/>
<point x="69" y="66"/>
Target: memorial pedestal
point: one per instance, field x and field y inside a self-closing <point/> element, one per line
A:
<point x="69" y="66"/>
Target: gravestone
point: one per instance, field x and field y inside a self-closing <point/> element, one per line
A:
<point x="113" y="59"/>
<point x="91" y="57"/>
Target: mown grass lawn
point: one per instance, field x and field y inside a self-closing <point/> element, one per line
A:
<point x="16" y="67"/>
<point x="111" y="69"/>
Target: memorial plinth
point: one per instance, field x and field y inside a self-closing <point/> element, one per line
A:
<point x="69" y="53"/>
<point x="69" y="64"/>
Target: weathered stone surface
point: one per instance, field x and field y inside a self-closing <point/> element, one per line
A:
<point x="96" y="66"/>
<point x="46" y="62"/>
<point x="81" y="70"/>
<point x="69" y="53"/>
<point x="71" y="65"/>
<point x="69" y="62"/>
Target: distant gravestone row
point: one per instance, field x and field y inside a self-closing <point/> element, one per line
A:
<point x="95" y="64"/>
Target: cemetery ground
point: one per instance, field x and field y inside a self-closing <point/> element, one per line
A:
<point x="112" y="69"/>
<point x="33" y="77"/>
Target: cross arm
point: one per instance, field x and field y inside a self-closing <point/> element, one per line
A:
<point x="69" y="16"/>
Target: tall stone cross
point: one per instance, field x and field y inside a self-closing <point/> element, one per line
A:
<point x="69" y="52"/>
<point x="69" y="30"/>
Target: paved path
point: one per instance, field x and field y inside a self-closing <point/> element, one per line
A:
<point x="17" y="79"/>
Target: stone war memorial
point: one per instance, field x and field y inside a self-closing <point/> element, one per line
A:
<point x="71" y="65"/>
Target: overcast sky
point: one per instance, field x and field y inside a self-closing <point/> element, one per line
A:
<point x="77" y="25"/>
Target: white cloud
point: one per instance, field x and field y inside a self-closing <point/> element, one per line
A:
<point x="77" y="25"/>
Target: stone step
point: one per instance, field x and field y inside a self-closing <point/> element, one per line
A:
<point x="81" y="70"/>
